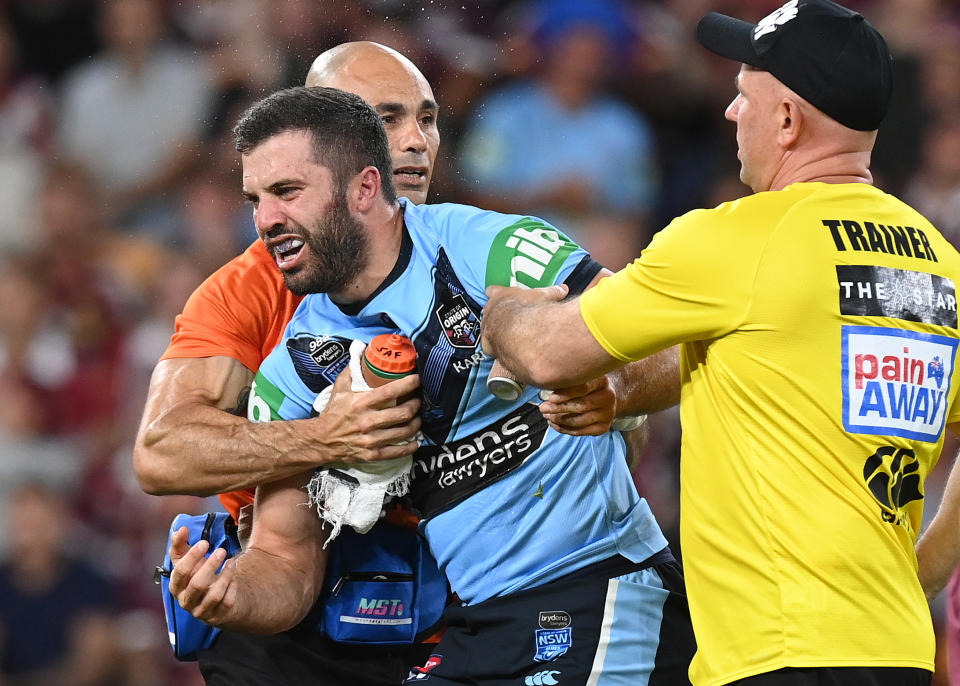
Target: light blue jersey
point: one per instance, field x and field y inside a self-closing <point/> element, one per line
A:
<point x="506" y="503"/>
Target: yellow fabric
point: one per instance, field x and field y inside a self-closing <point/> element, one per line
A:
<point x="790" y="558"/>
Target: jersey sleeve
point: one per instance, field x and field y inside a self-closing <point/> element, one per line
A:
<point x="495" y="249"/>
<point x="689" y="284"/>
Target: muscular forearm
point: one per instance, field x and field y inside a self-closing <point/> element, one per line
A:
<point x="648" y="385"/>
<point x="273" y="595"/>
<point x="189" y="443"/>
<point x="544" y="342"/>
<point x="201" y="450"/>
<point x="269" y="587"/>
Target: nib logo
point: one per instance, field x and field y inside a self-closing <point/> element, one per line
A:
<point x="545" y="678"/>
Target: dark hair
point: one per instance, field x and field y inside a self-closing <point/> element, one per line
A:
<point x="347" y="133"/>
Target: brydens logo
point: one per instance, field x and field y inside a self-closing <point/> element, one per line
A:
<point x="318" y="360"/>
<point x="554" y="619"/>
<point x="895" y="382"/>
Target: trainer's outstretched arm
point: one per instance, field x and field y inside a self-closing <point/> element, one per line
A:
<point x="541" y="337"/>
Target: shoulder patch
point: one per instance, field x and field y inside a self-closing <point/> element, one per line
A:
<point x="318" y="360"/>
<point x="528" y="253"/>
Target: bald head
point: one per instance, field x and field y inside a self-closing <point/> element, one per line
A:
<point x="783" y="139"/>
<point x="365" y="55"/>
<point x="400" y="94"/>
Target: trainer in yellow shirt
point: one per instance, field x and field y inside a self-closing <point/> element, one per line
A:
<point x="817" y="328"/>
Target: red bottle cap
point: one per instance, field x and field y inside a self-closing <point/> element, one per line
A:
<point x="390" y="356"/>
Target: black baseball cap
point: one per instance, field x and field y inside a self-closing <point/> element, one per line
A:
<point x="829" y="55"/>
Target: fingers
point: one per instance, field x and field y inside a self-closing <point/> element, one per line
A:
<point x="370" y="425"/>
<point x="214" y="604"/>
<point x="553" y="293"/>
<point x="402" y="416"/>
<point x="392" y="441"/>
<point x="204" y="574"/>
<point x="587" y="409"/>
<point x="389" y="405"/>
<point x="184" y="567"/>
<point x="594" y="402"/>
<point x="197" y="583"/>
<point x="393" y="392"/>
<point x="580" y="427"/>
<point x="361" y="433"/>
<point x="343" y="381"/>
<point x="562" y="395"/>
<point x="179" y="544"/>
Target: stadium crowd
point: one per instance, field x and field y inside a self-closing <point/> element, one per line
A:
<point x="115" y="147"/>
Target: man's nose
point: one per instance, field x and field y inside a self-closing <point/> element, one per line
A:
<point x="412" y="137"/>
<point x="268" y="216"/>
<point x="733" y="109"/>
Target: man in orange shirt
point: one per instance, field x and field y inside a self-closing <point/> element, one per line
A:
<point x="188" y="443"/>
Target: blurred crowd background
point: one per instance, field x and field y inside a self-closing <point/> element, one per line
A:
<point x="119" y="194"/>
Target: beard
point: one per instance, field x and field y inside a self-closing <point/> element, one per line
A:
<point x="338" y="252"/>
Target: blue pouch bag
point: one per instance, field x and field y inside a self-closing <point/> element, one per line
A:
<point x="381" y="588"/>
<point x="188" y="635"/>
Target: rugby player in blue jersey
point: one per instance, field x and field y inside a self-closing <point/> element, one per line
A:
<point x="561" y="568"/>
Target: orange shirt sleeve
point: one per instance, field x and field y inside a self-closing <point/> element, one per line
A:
<point x="240" y="311"/>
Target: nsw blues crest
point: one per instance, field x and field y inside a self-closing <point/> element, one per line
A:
<point x="554" y="637"/>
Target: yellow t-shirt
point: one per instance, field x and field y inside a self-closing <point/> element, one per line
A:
<point x="819" y="332"/>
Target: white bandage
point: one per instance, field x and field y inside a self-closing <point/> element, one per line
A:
<point x="354" y="495"/>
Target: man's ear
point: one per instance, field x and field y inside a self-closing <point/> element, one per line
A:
<point x="791" y="122"/>
<point x="365" y="188"/>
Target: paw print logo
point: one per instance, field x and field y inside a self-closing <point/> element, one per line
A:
<point x="892" y="475"/>
<point x="935" y="370"/>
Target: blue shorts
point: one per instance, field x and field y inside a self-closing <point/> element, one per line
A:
<point x="615" y="622"/>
